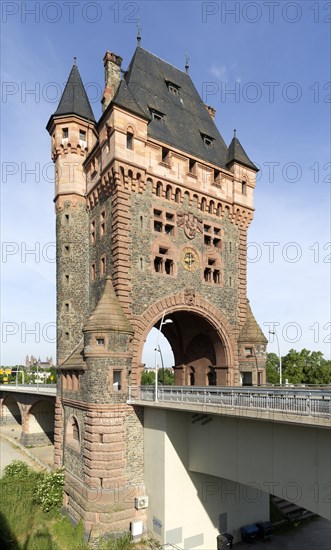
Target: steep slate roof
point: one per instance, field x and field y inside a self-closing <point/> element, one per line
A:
<point x="74" y="100"/>
<point x="75" y="361"/>
<point x="238" y="154"/>
<point x="251" y="331"/>
<point x="185" y="116"/>
<point x="108" y="314"/>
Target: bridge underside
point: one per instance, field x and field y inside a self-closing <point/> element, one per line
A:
<point x="217" y="473"/>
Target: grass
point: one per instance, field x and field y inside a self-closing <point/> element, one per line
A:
<point x="25" y="526"/>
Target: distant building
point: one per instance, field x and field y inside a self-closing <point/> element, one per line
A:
<point x="34" y="362"/>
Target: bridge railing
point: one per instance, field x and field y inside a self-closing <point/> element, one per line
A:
<point x="29" y="388"/>
<point x="301" y="401"/>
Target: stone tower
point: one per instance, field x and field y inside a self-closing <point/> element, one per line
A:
<point x="152" y="216"/>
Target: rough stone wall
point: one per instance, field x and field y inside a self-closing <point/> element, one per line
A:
<point x="101" y="247"/>
<point x="148" y="286"/>
<point x="72" y="275"/>
<point x="73" y="450"/>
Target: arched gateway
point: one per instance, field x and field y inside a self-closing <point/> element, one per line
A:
<point x="152" y="213"/>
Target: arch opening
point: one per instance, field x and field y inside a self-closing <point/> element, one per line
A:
<point x="41" y="421"/>
<point x="191" y="345"/>
<point x="11" y="413"/>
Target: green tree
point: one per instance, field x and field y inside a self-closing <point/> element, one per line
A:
<point x="306" y="367"/>
<point x="272" y="368"/>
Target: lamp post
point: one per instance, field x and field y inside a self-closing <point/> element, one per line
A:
<point x="158" y="350"/>
<point x="279" y="356"/>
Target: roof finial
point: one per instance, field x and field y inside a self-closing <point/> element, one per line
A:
<point x="139" y="32"/>
<point x="187" y="59"/>
<point x="234" y="133"/>
<point x="75" y="59"/>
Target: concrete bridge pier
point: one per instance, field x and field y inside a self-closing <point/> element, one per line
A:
<point x="33" y="412"/>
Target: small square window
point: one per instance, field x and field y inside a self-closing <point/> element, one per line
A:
<point x="169" y="229"/>
<point x="100" y="341"/>
<point x="158" y="263"/>
<point x="169" y="267"/>
<point x="158" y="226"/>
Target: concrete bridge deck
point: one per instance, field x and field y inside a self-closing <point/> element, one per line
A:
<point x="304" y="406"/>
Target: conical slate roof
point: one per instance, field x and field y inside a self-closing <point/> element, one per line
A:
<point x="74" y="100"/>
<point x="236" y="153"/>
<point x="251" y="331"/>
<point x="108" y="314"/>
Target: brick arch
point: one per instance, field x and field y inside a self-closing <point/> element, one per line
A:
<point x="11" y="410"/>
<point x="179" y="302"/>
<point x="39" y="421"/>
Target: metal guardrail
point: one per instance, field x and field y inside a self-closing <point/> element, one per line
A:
<point x="300" y="401"/>
<point x="48" y="389"/>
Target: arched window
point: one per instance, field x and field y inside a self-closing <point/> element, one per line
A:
<point x="219" y="209"/>
<point x="203" y="204"/>
<point x="191" y="375"/>
<point x="73" y="432"/>
<point x="211" y="375"/>
<point x="187" y="196"/>
<point x="159" y="189"/>
<point x="177" y="195"/>
<point x="211" y="207"/>
<point x="168" y="192"/>
<point x="244" y="187"/>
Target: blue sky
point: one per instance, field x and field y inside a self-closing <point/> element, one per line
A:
<point x="265" y="67"/>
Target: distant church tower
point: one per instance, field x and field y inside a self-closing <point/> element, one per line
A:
<point x="152" y="214"/>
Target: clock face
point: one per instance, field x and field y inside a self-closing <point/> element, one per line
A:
<point x="190" y="259"/>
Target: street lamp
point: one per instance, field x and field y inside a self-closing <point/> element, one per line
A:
<point x="158" y="349"/>
<point x="279" y="356"/>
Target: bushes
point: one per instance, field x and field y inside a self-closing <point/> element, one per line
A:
<point x="49" y="490"/>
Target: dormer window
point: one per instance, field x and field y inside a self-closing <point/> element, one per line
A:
<point x="173" y="88"/>
<point x="157" y="115"/>
<point x="208" y="141"/>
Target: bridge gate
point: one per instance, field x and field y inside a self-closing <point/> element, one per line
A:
<point x="152" y="212"/>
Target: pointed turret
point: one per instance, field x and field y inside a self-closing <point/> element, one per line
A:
<point x="251" y="331"/>
<point x="236" y="153"/>
<point x="108" y="314"/>
<point x="74" y="100"/>
<point x="73" y="133"/>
